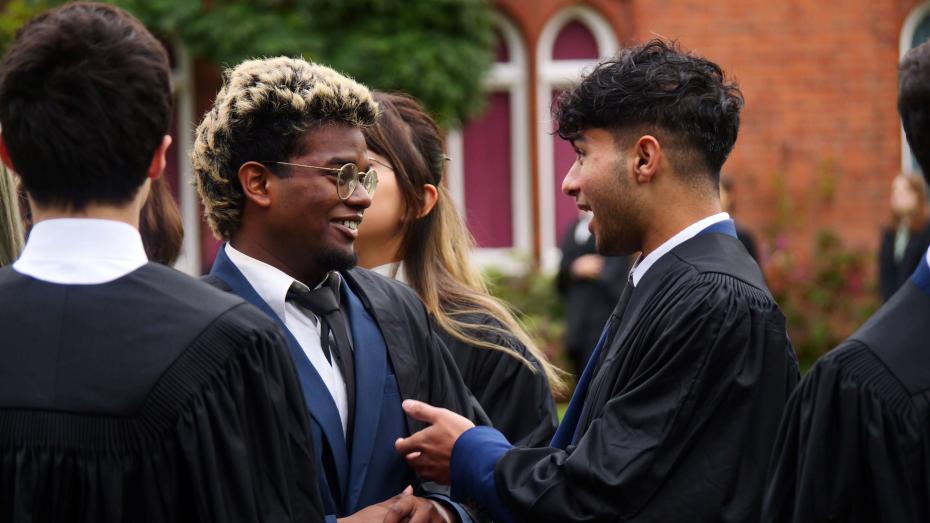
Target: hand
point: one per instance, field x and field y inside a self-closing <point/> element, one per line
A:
<point x="588" y="266"/>
<point x="430" y="450"/>
<point x="413" y="509"/>
<point x="377" y="512"/>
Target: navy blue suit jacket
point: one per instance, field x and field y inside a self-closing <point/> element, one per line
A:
<point x="384" y="338"/>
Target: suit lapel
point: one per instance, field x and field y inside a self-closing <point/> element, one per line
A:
<point x="370" y="373"/>
<point x="320" y="403"/>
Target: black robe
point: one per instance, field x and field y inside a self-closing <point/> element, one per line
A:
<point x="854" y="444"/>
<point x="680" y="417"/>
<point x="517" y="399"/>
<point x="149" y="398"/>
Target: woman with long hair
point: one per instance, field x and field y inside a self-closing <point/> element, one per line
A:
<point x="413" y="232"/>
<point x="905" y="240"/>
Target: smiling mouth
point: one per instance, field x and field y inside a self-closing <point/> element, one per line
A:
<point x="352" y="225"/>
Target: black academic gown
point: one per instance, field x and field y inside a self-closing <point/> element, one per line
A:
<point x="422" y="366"/>
<point x="149" y="398"/>
<point x="854" y="444"/>
<point x="680" y="417"/>
<point x="516" y="398"/>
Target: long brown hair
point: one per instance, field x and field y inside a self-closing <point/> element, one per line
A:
<point x="11" y="224"/>
<point x="436" y="247"/>
<point x="160" y="224"/>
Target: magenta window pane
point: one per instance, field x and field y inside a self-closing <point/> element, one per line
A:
<point x="501" y="54"/>
<point x="487" y="149"/>
<point x="563" y="158"/>
<point x="574" y="42"/>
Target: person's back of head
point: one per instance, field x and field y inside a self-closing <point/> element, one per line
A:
<point x="85" y="101"/>
<point x="914" y="103"/>
<point x="656" y="88"/>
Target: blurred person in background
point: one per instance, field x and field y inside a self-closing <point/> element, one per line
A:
<point x="906" y="240"/>
<point x="413" y="232"/>
<point x="590" y="285"/>
<point x="854" y="442"/>
<point x="729" y="206"/>
<point x="11" y="223"/>
<point x="130" y="391"/>
<point x="160" y="225"/>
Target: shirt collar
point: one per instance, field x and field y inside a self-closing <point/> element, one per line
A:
<point x="272" y="283"/>
<point x="643" y="265"/>
<point x="81" y="251"/>
<point x="393" y="270"/>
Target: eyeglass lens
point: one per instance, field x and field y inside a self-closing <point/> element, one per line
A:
<point x="349" y="178"/>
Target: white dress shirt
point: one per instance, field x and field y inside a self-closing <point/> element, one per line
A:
<point x="684" y="235"/>
<point x="83" y="251"/>
<point x="272" y="285"/>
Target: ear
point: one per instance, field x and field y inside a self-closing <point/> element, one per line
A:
<point x="647" y="157"/>
<point x="157" y="167"/>
<point x="5" y="154"/>
<point x="254" y="179"/>
<point x="430" y="197"/>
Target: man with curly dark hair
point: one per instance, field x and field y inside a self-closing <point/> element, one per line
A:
<point x="673" y="418"/>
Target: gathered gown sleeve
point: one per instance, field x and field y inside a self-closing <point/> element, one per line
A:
<point x="849" y="444"/>
<point x="245" y="437"/>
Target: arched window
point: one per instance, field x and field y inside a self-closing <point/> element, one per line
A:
<point x="571" y="42"/>
<point x="916" y="30"/>
<point x="489" y="175"/>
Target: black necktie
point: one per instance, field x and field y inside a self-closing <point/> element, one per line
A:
<point x="334" y="334"/>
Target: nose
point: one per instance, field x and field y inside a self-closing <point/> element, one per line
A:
<point x="570" y="182"/>
<point x="360" y="198"/>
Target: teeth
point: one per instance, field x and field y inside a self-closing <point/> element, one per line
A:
<point x="350" y="224"/>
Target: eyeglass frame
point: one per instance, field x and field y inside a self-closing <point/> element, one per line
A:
<point x="353" y="183"/>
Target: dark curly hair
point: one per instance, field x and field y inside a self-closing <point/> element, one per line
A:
<point x="657" y="88"/>
<point x="914" y="103"/>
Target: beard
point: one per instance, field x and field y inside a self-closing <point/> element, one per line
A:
<point x="618" y="217"/>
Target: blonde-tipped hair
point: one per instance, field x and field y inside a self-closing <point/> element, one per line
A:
<point x="265" y="108"/>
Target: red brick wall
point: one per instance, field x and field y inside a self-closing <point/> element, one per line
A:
<point x="820" y="83"/>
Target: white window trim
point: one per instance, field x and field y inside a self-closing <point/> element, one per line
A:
<point x="510" y="77"/>
<point x="183" y="79"/>
<point x="556" y="74"/>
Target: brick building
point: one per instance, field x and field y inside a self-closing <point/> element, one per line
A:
<point x="820" y="138"/>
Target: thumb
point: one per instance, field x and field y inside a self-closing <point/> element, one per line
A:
<point x="421" y="411"/>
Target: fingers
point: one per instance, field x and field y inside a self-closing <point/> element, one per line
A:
<point x="407" y="491"/>
<point x="422" y="411"/>
<point x="401" y="510"/>
<point x="413" y="443"/>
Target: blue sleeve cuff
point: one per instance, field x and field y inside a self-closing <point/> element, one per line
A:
<point x="330" y="518"/>
<point x="447" y="502"/>
<point x="474" y="456"/>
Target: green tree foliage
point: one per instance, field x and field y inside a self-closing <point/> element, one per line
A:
<point x="436" y="50"/>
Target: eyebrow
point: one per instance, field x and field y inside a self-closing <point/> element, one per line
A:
<point x="337" y="161"/>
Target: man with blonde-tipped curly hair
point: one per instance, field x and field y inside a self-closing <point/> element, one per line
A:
<point x="282" y="168"/>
